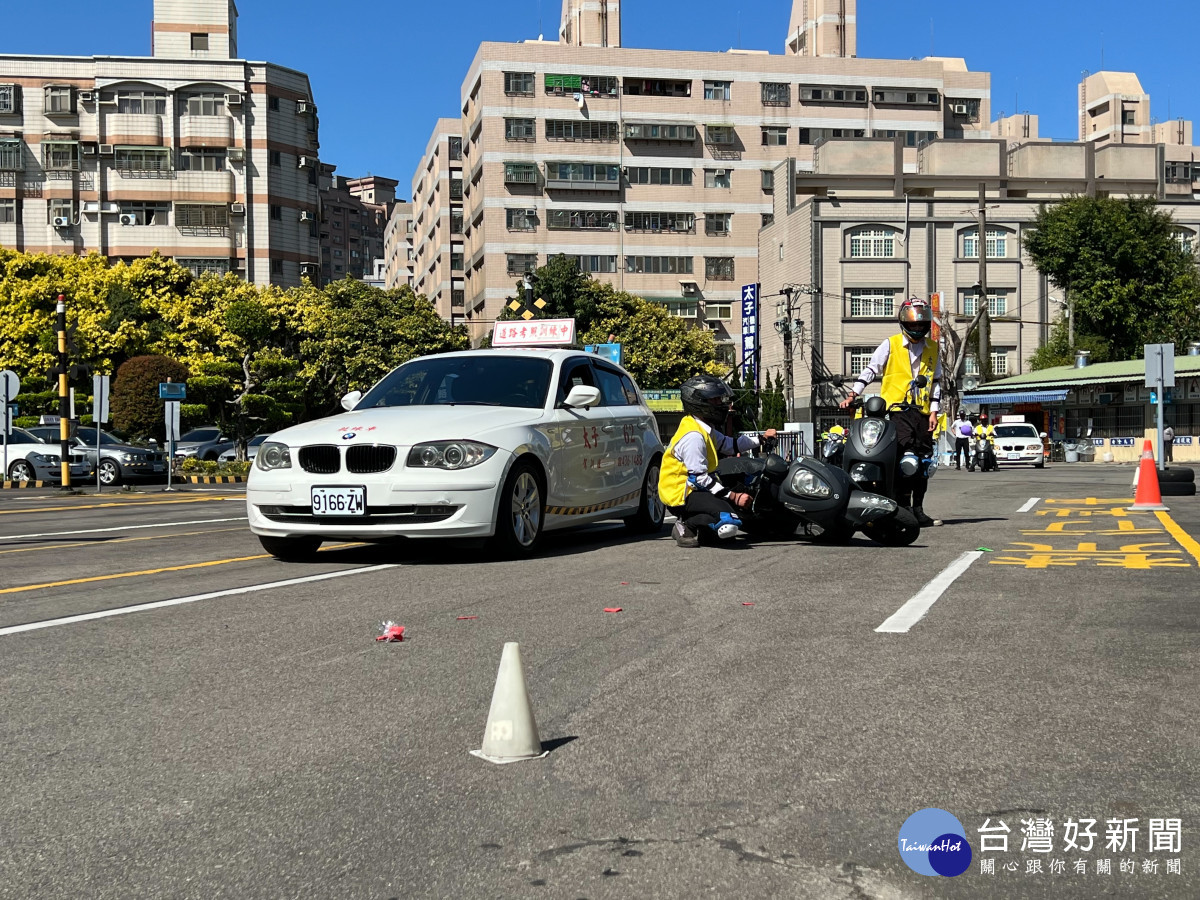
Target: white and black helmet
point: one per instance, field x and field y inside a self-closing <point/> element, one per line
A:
<point x="707" y="398"/>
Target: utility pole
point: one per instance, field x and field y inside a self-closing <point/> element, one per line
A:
<point x="985" y="350"/>
<point x="785" y="328"/>
<point x="64" y="392"/>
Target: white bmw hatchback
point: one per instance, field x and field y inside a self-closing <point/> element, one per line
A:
<point x="504" y="444"/>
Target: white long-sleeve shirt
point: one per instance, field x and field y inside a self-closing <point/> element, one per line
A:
<point x="690" y="451"/>
<point x="879" y="360"/>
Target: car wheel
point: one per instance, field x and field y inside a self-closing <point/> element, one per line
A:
<point x="1040" y="465"/>
<point x="21" y="471"/>
<point x="522" y="511"/>
<point x="110" y="473"/>
<point x="293" y="549"/>
<point x="651" y="512"/>
<point x="210" y="457"/>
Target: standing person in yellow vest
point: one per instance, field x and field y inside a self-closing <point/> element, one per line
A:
<point x="687" y="482"/>
<point x="898" y="361"/>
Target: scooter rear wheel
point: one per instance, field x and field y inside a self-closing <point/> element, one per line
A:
<point x="899" y="531"/>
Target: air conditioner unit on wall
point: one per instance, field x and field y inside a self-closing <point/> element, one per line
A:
<point x="87" y="96"/>
<point x="237" y="209"/>
<point x="237" y="154"/>
<point x="305" y="216"/>
<point x="303" y="107"/>
<point x="128" y="219"/>
<point x="87" y="149"/>
<point x="305" y="162"/>
<point x="960" y="109"/>
<point x="106" y="149"/>
<point x="61" y="222"/>
<point x="233" y="99"/>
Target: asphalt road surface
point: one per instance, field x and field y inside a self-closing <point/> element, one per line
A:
<point x="243" y="735"/>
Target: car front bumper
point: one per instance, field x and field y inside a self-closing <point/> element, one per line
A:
<point x="402" y="502"/>
<point x="1018" y="457"/>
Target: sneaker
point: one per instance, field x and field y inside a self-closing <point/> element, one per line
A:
<point x="727" y="526"/>
<point x="685" y="536"/>
<point x="923" y="520"/>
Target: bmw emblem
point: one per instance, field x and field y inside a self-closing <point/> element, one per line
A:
<point x="349" y="436"/>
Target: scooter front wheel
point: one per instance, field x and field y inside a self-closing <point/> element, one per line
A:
<point x="899" y="531"/>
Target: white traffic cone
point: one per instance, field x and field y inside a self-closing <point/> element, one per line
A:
<point x="511" y="733"/>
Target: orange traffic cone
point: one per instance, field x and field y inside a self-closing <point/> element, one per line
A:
<point x="1148" y="495"/>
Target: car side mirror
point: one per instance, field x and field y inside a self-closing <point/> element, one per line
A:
<point x="582" y="396"/>
<point x="350" y="400"/>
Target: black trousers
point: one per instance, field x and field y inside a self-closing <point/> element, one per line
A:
<point x="702" y="508"/>
<point x="912" y="432"/>
<point x="1169" y="451"/>
<point x="962" y="451"/>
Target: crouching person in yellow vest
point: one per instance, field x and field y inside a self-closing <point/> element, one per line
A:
<point x="687" y="482"/>
<point x="899" y="360"/>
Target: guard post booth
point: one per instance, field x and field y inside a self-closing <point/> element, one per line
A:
<point x="1105" y="404"/>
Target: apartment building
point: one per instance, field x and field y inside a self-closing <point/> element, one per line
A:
<point x="438" y="227"/>
<point x="654" y="169"/>
<point x="354" y="218"/>
<point x="399" y="257"/>
<point x="193" y="152"/>
<point x="862" y="230"/>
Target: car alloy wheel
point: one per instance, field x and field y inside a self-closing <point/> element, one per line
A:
<point x="651" y="512"/>
<point x="110" y="474"/>
<point x="20" y="471"/>
<point x="526" y="500"/>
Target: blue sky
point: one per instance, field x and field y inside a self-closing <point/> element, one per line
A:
<point x="382" y="72"/>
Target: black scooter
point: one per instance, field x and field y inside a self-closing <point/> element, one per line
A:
<point x="871" y="457"/>
<point x="807" y="494"/>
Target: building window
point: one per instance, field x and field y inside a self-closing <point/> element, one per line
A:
<point x="142" y="102"/>
<point x="273" y="103"/>
<point x="717" y="178"/>
<point x="654" y="175"/>
<point x="718" y="268"/>
<point x="718" y="223"/>
<point x="767" y="219"/>
<point x="681" y="309"/>
<point x="60" y="209"/>
<point x="456" y="261"/>
<point x="458" y="297"/>
<point x="721" y="135"/>
<point x="12" y="155"/>
<point x="520" y="263"/>
<point x="774" y="136"/>
<point x="1176" y="172"/>
<point x="276" y="212"/>
<point x="519" y="130"/>
<point x="583" y="172"/>
<point x="903" y="97"/>
<point x="277" y="267"/>
<point x="776" y="93"/>
<point x="60" y="99"/>
<point x="520" y="173"/>
<point x="570" y="130"/>
<point x="204" y="265"/>
<point x="997" y="302"/>
<point x="146" y="213"/>
<point x="857" y="359"/>
<point x="675" y="222"/>
<point x="520" y="219"/>
<point x="658" y="87"/>
<point x="456" y="189"/>
<point x="964" y="108"/>
<point x="204" y="104"/>
<point x="768" y="180"/>
<point x="10" y="99"/>
<point x="456" y="221"/>
<point x="199" y="41"/>
<point x="581" y="219"/>
<point x="8" y="211"/>
<point x="588" y="85"/>
<point x="726" y="353"/>
<point x="911" y="138"/>
<point x="659" y="265"/>
<point x="872" y="303"/>
<point x="997" y="243"/>
<point x="717" y="90"/>
<point x="655" y="131"/>
<point x="1184" y="237"/>
<point x="454" y="148"/>
<point x="60" y="157"/>
<point x="276" y="158"/>
<point x="203" y="215"/>
<point x="145" y="160"/>
<point x="596" y="263"/>
<point x="833" y="94"/>
<point x="813" y="135"/>
<point x="872" y="242"/>
<point x="202" y="159"/>
<point x="518" y="82"/>
<point x="1129" y="116"/>
<point x="718" y="310"/>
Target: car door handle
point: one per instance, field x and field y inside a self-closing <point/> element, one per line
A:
<point x="608" y="427"/>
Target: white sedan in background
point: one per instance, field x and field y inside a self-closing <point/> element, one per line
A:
<point x="1019" y="442"/>
<point x="503" y="444"/>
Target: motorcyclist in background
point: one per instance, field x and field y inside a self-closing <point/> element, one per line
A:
<point x="687" y="484"/>
<point x="898" y="361"/>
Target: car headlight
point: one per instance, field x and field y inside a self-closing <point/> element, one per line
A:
<point x="449" y="454"/>
<point x="274" y="456"/>
<point x="807" y="483"/>
<point x="43" y="459"/>
<point x="129" y="457"/>
<point x="872" y="431"/>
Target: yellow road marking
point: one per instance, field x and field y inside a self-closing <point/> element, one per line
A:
<point x="205" y="499"/>
<point x="1186" y="541"/>
<point x="108" y="543"/>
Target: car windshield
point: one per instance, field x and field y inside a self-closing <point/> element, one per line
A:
<point x="1013" y="431"/>
<point x="479" y="379"/>
<point x="201" y="435"/>
<point x="257" y="439"/>
<point x="88" y="436"/>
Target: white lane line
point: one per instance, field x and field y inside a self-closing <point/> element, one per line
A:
<point x="1033" y="501"/>
<point x="13" y="537"/>
<point x="160" y="604"/>
<point x="914" y="610"/>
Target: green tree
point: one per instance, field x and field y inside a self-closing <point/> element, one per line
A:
<point x="1127" y="278"/>
<point x="136" y="409"/>
<point x="774" y="406"/>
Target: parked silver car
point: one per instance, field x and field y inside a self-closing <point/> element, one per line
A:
<point x="251" y="449"/>
<point x="30" y="459"/>
<point x="205" y="442"/>
<point x="118" y="461"/>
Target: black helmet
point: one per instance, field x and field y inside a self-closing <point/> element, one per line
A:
<point x="707" y="398"/>
<point x="916" y="318"/>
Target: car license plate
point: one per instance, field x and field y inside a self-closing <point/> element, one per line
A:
<point x="1014" y="456"/>
<point x="158" y="467"/>
<point x="339" y="501"/>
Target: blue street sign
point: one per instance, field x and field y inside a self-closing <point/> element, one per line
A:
<point x="172" y="390"/>
<point x="749" y="328"/>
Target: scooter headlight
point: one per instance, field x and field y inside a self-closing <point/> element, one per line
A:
<point x="807" y="483"/>
<point x="909" y="464"/>
<point x="872" y="432"/>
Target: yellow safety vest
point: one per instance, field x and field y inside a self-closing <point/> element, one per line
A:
<point x="899" y="374"/>
<point x="673" y="475"/>
<point x="989" y="432"/>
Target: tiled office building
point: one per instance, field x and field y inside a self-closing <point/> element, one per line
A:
<point x="654" y="168"/>
<point x="354" y="217"/>
<point x="399" y="256"/>
<point x="194" y="152"/>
